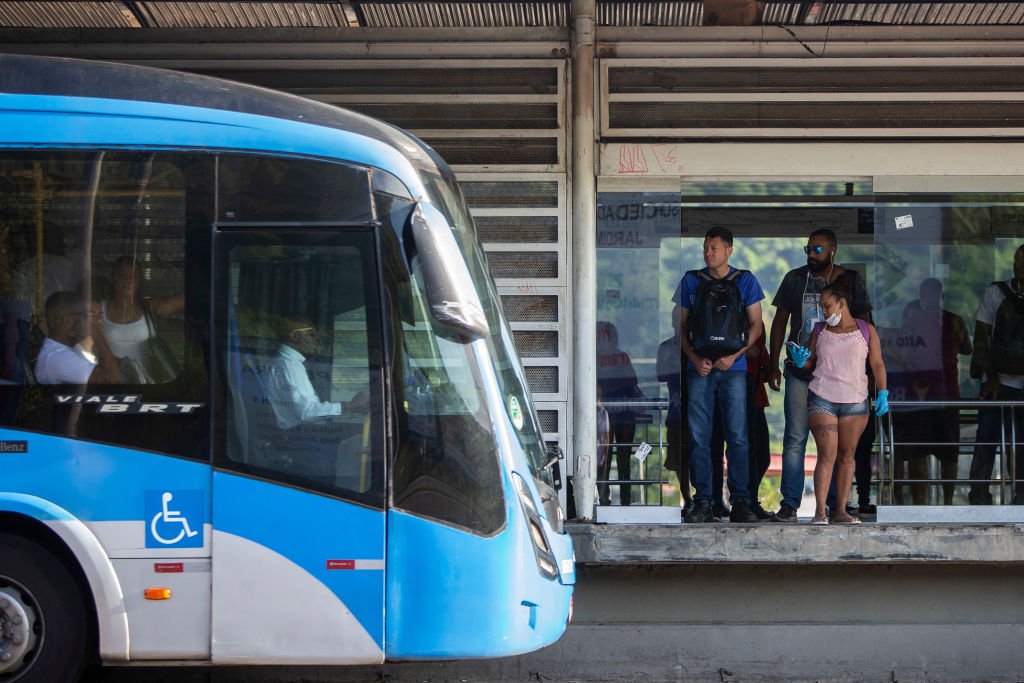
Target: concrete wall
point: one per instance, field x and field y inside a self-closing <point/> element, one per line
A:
<point x="798" y="622"/>
<point x="714" y="622"/>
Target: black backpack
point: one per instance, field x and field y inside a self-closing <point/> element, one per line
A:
<point x="1007" y="345"/>
<point x="717" y="323"/>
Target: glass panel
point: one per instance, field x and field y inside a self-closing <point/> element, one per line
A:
<point x="638" y="267"/>
<point x="93" y="289"/>
<point x="512" y="381"/>
<point x="925" y="265"/>
<point x="937" y="259"/>
<point x="269" y="189"/>
<point x="446" y="463"/>
<point x="646" y="242"/>
<point x="302" y="346"/>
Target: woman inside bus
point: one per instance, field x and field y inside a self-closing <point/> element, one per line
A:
<point x="837" y="400"/>
<point x="129" y="323"/>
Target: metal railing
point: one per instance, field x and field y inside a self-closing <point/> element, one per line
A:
<point x="1009" y="446"/>
<point x="660" y="406"/>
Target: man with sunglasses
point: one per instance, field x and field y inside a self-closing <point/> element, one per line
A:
<point x="797" y="303"/>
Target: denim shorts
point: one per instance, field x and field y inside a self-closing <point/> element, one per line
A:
<point x="816" y="405"/>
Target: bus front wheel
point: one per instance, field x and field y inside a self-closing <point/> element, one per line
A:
<point x="42" y="616"/>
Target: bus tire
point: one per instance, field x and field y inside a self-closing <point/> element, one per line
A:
<point x="40" y="600"/>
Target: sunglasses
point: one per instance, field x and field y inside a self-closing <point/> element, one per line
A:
<point x="817" y="250"/>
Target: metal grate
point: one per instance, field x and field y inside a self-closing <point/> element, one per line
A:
<point x="816" y="114"/>
<point x="504" y="116"/>
<point x="65" y="15"/>
<point x="509" y="229"/>
<point x="542" y="379"/>
<point x="349" y="376"/>
<point x="397" y="80"/>
<point x="482" y="194"/>
<point x="540" y="308"/>
<point x="536" y="344"/>
<point x="650" y="13"/>
<point x="242" y="14"/>
<point x="438" y="14"/>
<point x="530" y="265"/>
<point x="548" y="420"/>
<point x="496" y="151"/>
<point x="663" y="80"/>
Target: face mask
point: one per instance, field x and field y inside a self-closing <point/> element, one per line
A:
<point x="834" y="319"/>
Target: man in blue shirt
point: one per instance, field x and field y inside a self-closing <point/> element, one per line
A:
<point x="721" y="380"/>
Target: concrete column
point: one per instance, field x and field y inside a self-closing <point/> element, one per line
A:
<point x="584" y="258"/>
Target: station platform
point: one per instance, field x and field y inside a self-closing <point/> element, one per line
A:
<point x="773" y="543"/>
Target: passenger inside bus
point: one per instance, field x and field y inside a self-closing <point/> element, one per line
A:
<point x="130" y="325"/>
<point x="62" y="358"/>
<point x="292" y="396"/>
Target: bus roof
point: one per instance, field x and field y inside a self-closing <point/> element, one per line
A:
<point x="58" y="76"/>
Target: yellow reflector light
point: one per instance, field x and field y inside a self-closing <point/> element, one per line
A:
<point x="158" y="593"/>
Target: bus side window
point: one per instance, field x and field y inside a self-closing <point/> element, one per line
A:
<point x="94" y="301"/>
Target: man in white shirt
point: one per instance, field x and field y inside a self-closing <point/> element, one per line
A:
<point x="999" y="363"/>
<point x="62" y="359"/>
<point x="291" y="394"/>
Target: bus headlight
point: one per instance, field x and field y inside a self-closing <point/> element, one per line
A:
<point x="546" y="562"/>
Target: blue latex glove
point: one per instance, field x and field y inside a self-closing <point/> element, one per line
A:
<point x="799" y="354"/>
<point x="882" y="403"/>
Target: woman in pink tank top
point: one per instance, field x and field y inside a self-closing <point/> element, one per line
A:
<point x="837" y="397"/>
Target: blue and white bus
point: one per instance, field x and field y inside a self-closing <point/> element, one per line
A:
<point x="258" y="403"/>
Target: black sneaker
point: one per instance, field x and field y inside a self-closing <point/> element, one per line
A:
<point x="762" y="514"/>
<point x="866" y="511"/>
<point x="700" y="514"/>
<point x="720" y="511"/>
<point x="786" y="513"/>
<point x="979" y="498"/>
<point x="686" y="509"/>
<point x="742" y="514"/>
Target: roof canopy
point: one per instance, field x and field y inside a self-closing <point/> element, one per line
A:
<point x="487" y="13"/>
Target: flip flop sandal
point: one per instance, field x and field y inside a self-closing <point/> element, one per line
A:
<point x="822" y="521"/>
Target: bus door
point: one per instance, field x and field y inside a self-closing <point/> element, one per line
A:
<point x="298" y="486"/>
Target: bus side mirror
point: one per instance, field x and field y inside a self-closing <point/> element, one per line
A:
<point x="451" y="293"/>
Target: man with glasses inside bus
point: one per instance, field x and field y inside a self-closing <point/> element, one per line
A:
<point x="290" y="392"/>
<point x="70" y="321"/>
<point x="797" y="302"/>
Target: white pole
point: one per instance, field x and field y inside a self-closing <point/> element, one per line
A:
<point x="584" y="258"/>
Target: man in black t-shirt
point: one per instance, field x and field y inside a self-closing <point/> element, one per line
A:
<point x="797" y="303"/>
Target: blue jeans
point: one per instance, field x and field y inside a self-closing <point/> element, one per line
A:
<point x="729" y="391"/>
<point x="794" y="443"/>
<point x="990" y="431"/>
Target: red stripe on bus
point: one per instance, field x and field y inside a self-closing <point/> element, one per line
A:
<point x="341" y="564"/>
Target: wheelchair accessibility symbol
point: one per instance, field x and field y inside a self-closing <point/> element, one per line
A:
<point x="174" y="519"/>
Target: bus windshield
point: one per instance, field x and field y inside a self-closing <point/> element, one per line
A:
<point x="447" y="197"/>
